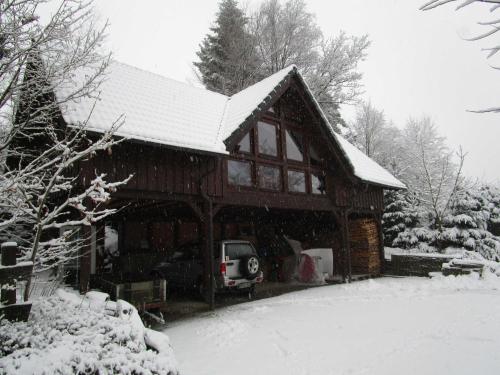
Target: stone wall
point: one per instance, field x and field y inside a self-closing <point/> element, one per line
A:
<point x="417" y="265"/>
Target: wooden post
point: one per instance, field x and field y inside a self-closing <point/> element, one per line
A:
<point x="9" y="252"/>
<point x="346" y="245"/>
<point x="85" y="254"/>
<point x="378" y="220"/>
<point x="208" y="254"/>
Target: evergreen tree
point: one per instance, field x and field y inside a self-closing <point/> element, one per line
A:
<point x="400" y="214"/>
<point x="228" y="61"/>
<point x="491" y="195"/>
<point x="467" y="225"/>
<point x="463" y="224"/>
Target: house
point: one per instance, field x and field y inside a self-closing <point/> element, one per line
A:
<point x="261" y="163"/>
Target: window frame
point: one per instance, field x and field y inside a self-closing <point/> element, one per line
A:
<point x="280" y="175"/>
<point x="280" y="161"/>
<point x="303" y="162"/>
<point x="305" y="172"/>
<point x="314" y="171"/>
<point x="252" y="174"/>
<point x="274" y="123"/>
<point x="251" y="136"/>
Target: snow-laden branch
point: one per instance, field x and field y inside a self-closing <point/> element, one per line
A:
<point x="40" y="155"/>
<point x="492" y="25"/>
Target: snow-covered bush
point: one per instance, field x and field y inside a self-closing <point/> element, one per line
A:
<point x="68" y="337"/>
<point x="421" y="239"/>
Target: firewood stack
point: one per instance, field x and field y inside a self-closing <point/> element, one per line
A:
<point x="365" y="256"/>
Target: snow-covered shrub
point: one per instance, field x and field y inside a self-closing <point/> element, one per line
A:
<point x="421" y="239"/>
<point x="68" y="337"/>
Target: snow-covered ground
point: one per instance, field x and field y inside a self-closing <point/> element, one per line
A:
<point x="382" y="326"/>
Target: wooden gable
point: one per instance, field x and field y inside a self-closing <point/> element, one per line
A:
<point x="315" y="174"/>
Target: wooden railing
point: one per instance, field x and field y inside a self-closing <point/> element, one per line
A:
<point x="10" y="273"/>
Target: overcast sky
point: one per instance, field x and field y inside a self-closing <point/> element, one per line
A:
<point x="418" y="62"/>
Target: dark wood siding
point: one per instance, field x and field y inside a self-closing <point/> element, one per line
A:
<point x="156" y="169"/>
<point x="359" y="196"/>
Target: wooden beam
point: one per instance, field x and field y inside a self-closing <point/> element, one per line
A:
<point x="378" y="220"/>
<point x="346" y="246"/>
<point x="9" y="271"/>
<point x="197" y="210"/>
<point x="208" y="255"/>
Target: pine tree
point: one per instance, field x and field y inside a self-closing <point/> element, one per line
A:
<point x="463" y="224"/>
<point x="228" y="61"/>
<point x="400" y="214"/>
<point x="491" y="194"/>
<point x="467" y="224"/>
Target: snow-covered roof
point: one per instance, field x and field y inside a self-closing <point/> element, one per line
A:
<point x="243" y="104"/>
<point x="164" y="111"/>
<point x="366" y="168"/>
<point x="156" y="109"/>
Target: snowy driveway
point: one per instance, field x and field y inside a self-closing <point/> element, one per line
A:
<point x="382" y="326"/>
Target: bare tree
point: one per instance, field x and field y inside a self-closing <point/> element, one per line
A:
<point x="430" y="168"/>
<point x="43" y="66"/>
<point x="368" y="128"/>
<point x="287" y="33"/>
<point x="493" y="26"/>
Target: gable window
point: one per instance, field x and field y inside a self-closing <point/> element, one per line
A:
<point x="294" y="146"/>
<point x="314" y="156"/>
<point x="318" y="183"/>
<point x="239" y="173"/>
<point x="296" y="181"/>
<point x="245" y="144"/>
<point x="281" y="152"/>
<point x="269" y="177"/>
<point x="268" y="144"/>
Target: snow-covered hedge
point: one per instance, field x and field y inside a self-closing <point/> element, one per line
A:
<point x="66" y="336"/>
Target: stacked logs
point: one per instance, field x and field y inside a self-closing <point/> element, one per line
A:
<point x="365" y="246"/>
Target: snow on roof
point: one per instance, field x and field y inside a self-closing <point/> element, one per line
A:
<point x="243" y="104"/>
<point x="363" y="166"/>
<point x="366" y="168"/>
<point x="161" y="110"/>
<point x="156" y="109"/>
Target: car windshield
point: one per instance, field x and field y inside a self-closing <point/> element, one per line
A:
<point x="239" y="250"/>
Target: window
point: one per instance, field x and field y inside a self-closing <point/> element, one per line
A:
<point x="296" y="181"/>
<point x="239" y="173"/>
<point x="267" y="139"/>
<point x="294" y="146"/>
<point x="244" y="145"/>
<point x="318" y="183"/>
<point x="314" y="155"/>
<point x="269" y="177"/>
<point x="238" y="250"/>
